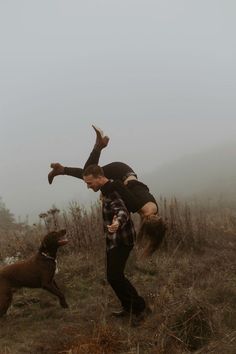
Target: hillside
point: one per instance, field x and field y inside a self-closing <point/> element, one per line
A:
<point x="209" y="174"/>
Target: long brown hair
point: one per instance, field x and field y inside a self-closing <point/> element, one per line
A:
<point x="151" y="234"/>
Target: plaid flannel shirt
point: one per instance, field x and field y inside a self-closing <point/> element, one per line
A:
<point x="113" y="205"/>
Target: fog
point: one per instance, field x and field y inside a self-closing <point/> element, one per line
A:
<point x="158" y="76"/>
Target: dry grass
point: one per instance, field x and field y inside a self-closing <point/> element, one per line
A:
<point x="190" y="285"/>
<point x="103" y="340"/>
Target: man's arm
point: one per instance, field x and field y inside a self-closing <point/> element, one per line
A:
<point x="121" y="215"/>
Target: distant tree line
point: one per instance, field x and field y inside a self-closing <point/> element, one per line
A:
<point x="7" y="220"/>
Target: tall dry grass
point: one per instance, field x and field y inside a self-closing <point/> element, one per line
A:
<point x="191" y="227"/>
<point x="190" y="284"/>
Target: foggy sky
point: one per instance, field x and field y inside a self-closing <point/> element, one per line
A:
<point x="158" y="76"/>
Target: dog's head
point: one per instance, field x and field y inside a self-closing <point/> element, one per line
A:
<point x="53" y="240"/>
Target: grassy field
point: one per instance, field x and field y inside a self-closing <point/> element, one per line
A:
<point x="190" y="285"/>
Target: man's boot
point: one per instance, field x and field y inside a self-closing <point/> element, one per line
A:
<point x="57" y="169"/>
<point x="101" y="140"/>
<point x="120" y="313"/>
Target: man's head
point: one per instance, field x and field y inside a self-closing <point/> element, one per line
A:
<point x="94" y="177"/>
<point x="151" y="234"/>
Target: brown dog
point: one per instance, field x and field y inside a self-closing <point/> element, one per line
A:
<point x="35" y="272"/>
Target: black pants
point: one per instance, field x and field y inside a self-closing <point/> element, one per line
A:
<point x="124" y="290"/>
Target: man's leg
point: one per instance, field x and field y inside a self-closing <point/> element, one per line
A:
<point x="125" y="291"/>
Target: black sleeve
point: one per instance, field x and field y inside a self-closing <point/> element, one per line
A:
<point x="77" y="171"/>
<point x="131" y="202"/>
<point x="74" y="172"/>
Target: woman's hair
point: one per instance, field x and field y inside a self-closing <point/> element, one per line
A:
<point x="151" y="234"/>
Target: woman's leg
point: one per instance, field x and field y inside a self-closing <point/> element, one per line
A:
<point x="100" y="143"/>
<point x="58" y="169"/>
<point x="93" y="158"/>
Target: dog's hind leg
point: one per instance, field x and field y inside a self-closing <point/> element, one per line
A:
<point x="5" y="300"/>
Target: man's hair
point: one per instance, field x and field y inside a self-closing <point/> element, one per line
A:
<point x="94" y="170"/>
<point x="151" y="234"/>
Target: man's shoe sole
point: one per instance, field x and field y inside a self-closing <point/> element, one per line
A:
<point x="121" y="313"/>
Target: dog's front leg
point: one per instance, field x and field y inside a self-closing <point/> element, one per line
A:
<point x="53" y="289"/>
<point x="54" y="283"/>
<point x="5" y="302"/>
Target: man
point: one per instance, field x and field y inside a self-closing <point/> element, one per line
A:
<point x="134" y="193"/>
<point x="120" y="234"/>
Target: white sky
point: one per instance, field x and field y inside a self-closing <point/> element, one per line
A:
<point x="158" y="76"/>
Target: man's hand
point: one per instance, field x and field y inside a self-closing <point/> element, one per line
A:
<point x="114" y="226"/>
<point x="57" y="169"/>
